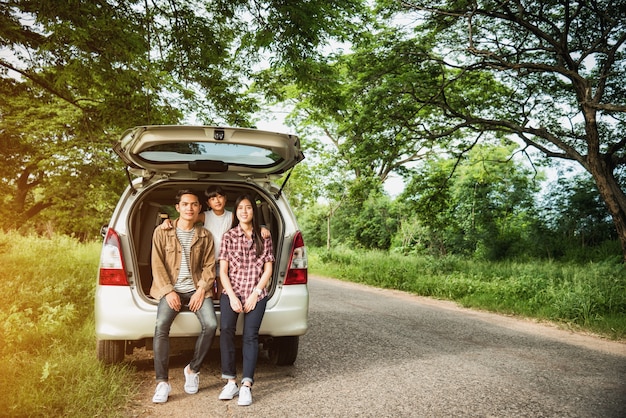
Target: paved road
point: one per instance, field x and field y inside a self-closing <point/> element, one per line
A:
<point x="380" y="353"/>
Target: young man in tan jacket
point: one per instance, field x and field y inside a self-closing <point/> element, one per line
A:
<point x="183" y="270"/>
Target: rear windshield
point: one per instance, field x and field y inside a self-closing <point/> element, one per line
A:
<point x="244" y="155"/>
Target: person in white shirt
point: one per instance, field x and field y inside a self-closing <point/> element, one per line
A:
<point x="217" y="219"/>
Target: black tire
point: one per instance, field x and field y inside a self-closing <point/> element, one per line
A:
<point x="111" y="351"/>
<point x="283" y="350"/>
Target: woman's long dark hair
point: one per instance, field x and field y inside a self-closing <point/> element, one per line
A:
<point x="256" y="227"/>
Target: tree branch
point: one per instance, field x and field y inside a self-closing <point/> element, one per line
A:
<point x="42" y="82"/>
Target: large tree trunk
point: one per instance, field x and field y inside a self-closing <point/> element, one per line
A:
<point x="601" y="168"/>
<point x="613" y="196"/>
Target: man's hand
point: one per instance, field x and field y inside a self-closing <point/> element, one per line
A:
<point x="196" y="300"/>
<point x="265" y="233"/>
<point x="173" y="301"/>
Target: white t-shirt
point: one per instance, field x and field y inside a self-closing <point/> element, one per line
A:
<point x="217" y="225"/>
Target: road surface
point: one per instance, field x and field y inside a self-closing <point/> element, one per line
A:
<point x="381" y="353"/>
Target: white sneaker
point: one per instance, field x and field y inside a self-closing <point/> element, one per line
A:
<point x="162" y="392"/>
<point x="245" y="396"/>
<point x="229" y="392"/>
<point x="192" y="380"/>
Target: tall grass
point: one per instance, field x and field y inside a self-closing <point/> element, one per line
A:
<point x="589" y="296"/>
<point x="48" y="365"/>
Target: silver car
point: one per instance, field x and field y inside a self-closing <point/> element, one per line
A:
<point x="162" y="160"/>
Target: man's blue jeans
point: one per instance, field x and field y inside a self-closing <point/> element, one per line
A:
<point x="251" y="324"/>
<point x="165" y="318"/>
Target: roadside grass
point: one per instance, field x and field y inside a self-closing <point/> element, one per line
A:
<point x="587" y="297"/>
<point x="48" y="364"/>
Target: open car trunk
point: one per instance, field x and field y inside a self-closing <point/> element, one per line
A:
<point x="146" y="214"/>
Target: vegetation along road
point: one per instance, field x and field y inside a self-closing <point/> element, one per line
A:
<point x="379" y="353"/>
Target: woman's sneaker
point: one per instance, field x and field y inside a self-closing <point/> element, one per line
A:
<point x="162" y="392"/>
<point x="229" y="392"/>
<point x="245" y="396"/>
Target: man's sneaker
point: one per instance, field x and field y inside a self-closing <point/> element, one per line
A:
<point x="192" y="380"/>
<point x="162" y="392"/>
<point x="245" y="396"/>
<point x="229" y="392"/>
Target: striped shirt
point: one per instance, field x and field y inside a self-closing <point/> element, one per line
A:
<point x="244" y="267"/>
<point x="184" y="283"/>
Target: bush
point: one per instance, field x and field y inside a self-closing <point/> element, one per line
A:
<point x="48" y="341"/>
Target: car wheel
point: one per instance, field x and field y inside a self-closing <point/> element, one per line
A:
<point x="111" y="351"/>
<point x="283" y="350"/>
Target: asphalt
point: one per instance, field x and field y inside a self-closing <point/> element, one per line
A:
<point x="380" y="353"/>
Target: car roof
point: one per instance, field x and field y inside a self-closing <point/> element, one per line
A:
<point x="186" y="151"/>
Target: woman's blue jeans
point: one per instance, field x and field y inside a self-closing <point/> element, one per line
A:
<point x="250" y="350"/>
<point x="165" y="318"/>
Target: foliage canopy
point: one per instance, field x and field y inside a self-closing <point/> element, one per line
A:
<point x="379" y="89"/>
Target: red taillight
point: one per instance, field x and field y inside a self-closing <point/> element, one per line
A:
<point x="112" y="270"/>
<point x="298" y="263"/>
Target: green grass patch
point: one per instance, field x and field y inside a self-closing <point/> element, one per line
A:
<point x="590" y="296"/>
<point x="48" y="364"/>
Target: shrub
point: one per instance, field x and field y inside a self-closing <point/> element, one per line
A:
<point x="48" y="342"/>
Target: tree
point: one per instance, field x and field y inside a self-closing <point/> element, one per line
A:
<point x="561" y="65"/>
<point x="354" y="107"/>
<point x="92" y="69"/>
<point x="79" y="73"/>
<point x="48" y="166"/>
<point x="482" y="205"/>
<point x="376" y="223"/>
<point x="360" y="103"/>
<point x="575" y="212"/>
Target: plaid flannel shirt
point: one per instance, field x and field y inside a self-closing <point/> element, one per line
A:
<point x="244" y="267"/>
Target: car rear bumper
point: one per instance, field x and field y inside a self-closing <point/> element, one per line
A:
<point x="126" y="317"/>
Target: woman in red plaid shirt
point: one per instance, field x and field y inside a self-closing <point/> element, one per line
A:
<point x="245" y="270"/>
